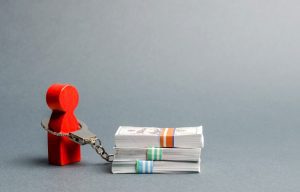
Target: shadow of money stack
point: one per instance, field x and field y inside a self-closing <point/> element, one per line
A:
<point x="158" y="150"/>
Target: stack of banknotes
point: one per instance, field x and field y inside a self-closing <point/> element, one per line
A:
<point x="157" y="150"/>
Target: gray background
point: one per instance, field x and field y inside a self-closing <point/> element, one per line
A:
<point x="231" y="65"/>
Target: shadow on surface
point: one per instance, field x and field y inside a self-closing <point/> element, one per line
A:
<point x="29" y="162"/>
<point x="99" y="167"/>
<point x="42" y="162"/>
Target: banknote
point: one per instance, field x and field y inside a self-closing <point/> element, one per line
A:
<point x="139" y="137"/>
<point x="142" y="167"/>
<point x="157" y="154"/>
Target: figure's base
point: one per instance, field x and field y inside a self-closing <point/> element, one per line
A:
<point x="62" y="151"/>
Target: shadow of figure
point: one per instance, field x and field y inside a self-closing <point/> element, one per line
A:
<point x="42" y="162"/>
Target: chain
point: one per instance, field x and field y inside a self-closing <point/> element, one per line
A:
<point x="82" y="136"/>
<point x="97" y="146"/>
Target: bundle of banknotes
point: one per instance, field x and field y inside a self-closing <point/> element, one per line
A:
<point x="157" y="150"/>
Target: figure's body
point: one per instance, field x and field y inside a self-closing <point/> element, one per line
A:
<point x="62" y="99"/>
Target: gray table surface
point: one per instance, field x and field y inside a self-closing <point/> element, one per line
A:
<point x="232" y="66"/>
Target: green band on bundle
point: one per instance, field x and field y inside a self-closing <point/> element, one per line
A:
<point x="154" y="154"/>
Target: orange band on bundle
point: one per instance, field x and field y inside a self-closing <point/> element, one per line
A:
<point x="167" y="137"/>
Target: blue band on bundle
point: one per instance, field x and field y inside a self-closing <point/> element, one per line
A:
<point x="144" y="166"/>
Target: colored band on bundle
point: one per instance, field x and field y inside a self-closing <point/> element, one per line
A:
<point x="154" y="154"/>
<point x="167" y="137"/>
<point x="144" y="166"/>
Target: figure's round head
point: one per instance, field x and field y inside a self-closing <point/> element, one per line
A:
<point x="62" y="97"/>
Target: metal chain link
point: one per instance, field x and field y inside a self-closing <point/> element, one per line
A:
<point x="97" y="146"/>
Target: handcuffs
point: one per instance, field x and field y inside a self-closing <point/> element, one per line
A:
<point x="82" y="136"/>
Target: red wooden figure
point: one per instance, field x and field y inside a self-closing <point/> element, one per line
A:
<point x="62" y="99"/>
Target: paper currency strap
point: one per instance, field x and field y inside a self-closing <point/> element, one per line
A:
<point x="144" y="166"/>
<point x="154" y="154"/>
<point x="167" y="137"/>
